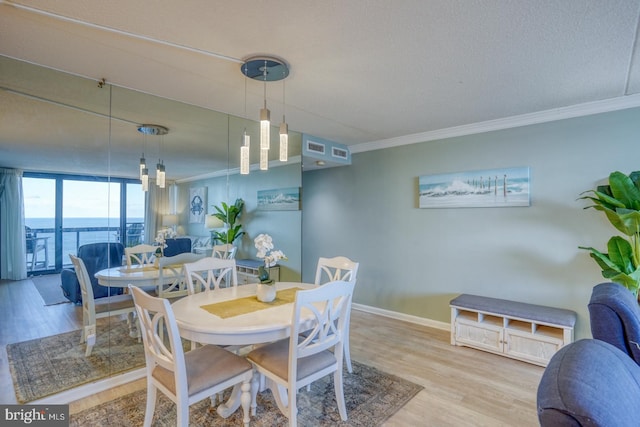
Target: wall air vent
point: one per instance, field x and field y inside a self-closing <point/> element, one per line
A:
<point x="315" y="147"/>
<point x="320" y="153"/>
<point x="339" y="153"/>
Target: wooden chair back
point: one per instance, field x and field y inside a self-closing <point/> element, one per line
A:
<point x="209" y="274"/>
<point x="337" y="268"/>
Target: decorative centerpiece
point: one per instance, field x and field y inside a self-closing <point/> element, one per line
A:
<point x="266" y="292"/>
<point x="160" y="240"/>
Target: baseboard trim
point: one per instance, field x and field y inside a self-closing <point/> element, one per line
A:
<point x="86" y="390"/>
<point x="403" y="316"/>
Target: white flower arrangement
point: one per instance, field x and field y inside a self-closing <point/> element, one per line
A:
<point x="266" y="251"/>
<point x="160" y="240"/>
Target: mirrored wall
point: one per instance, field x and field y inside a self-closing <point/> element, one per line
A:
<point x="53" y="124"/>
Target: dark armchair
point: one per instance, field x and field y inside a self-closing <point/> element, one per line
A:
<point x="615" y="318"/>
<point x="589" y="383"/>
<point x="96" y="257"/>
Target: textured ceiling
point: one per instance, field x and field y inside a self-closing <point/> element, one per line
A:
<point x="361" y="71"/>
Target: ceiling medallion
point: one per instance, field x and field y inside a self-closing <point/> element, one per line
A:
<point x="265" y="68"/>
<point x="153" y="129"/>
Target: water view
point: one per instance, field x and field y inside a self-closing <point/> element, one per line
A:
<point x="77" y="232"/>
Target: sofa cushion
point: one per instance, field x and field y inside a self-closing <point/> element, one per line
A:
<point x="589" y="383"/>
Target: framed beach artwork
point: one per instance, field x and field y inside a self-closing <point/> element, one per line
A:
<point x="197" y="206"/>
<point x="281" y="199"/>
<point x="475" y="189"/>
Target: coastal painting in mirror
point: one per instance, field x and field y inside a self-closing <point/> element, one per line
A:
<point x="475" y="189"/>
<point x="281" y="199"/>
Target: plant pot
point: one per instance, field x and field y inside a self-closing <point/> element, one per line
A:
<point x="265" y="292"/>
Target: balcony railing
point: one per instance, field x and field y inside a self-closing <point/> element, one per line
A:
<point x="74" y="237"/>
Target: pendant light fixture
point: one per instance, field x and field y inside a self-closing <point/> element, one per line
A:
<point x="145" y="179"/>
<point x="265" y="126"/>
<point x="160" y="174"/>
<point x="143" y="161"/>
<point x="143" y="165"/>
<point x="266" y="69"/>
<point x="147" y="129"/>
<point x="245" y="162"/>
<point x="284" y="132"/>
<point x="265" y="117"/>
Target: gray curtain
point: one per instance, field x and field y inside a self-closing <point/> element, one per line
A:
<point x="157" y="205"/>
<point x="13" y="265"/>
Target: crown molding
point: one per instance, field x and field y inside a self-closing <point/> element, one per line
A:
<point x="579" y="110"/>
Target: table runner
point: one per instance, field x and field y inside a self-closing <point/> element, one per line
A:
<point x="250" y="304"/>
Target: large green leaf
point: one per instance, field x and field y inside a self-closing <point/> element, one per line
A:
<point x="618" y="221"/>
<point x="630" y="221"/>
<point x="623" y="189"/>
<point x="602" y="200"/>
<point x="621" y="254"/>
<point x="629" y="281"/>
<point x="602" y="259"/>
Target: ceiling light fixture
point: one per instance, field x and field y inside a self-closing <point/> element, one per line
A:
<point x="245" y="161"/>
<point x="143" y="161"/>
<point x="284" y="132"/>
<point x="147" y="129"/>
<point x="267" y="69"/>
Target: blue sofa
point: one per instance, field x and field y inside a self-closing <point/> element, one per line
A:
<point x="615" y="318"/>
<point x="590" y="383"/>
<point x="177" y="246"/>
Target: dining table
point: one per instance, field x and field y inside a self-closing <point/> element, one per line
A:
<point x="234" y="316"/>
<point x="149" y="275"/>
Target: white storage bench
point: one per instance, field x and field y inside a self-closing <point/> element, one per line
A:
<point x="528" y="332"/>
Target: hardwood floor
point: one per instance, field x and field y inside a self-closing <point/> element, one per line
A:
<point x="462" y="386"/>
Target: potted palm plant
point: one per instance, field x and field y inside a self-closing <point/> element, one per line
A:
<point x="620" y="202"/>
<point x="229" y="214"/>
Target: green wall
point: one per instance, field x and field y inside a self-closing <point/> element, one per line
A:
<point x="413" y="261"/>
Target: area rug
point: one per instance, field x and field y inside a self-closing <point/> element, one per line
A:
<point x="45" y="366"/>
<point x="49" y="288"/>
<point x="371" y="397"/>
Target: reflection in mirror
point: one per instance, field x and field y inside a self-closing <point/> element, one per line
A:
<point x="77" y="142"/>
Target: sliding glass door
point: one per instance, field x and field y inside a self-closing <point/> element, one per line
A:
<point x="65" y="212"/>
<point x="40" y="223"/>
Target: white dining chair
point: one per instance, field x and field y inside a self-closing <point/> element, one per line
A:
<point x="288" y="366"/>
<point x="174" y="265"/>
<point x="338" y="268"/>
<point x="185" y="377"/>
<point x="226" y="251"/>
<point x="208" y="274"/>
<point x="142" y="255"/>
<point x="93" y="309"/>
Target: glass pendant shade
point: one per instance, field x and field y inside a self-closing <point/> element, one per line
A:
<point x="265" y="127"/>
<point x="143" y="165"/>
<point x="284" y="141"/>
<point x="244" y="154"/>
<point x="264" y="159"/>
<point x="160" y="175"/>
<point x="145" y="179"/>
